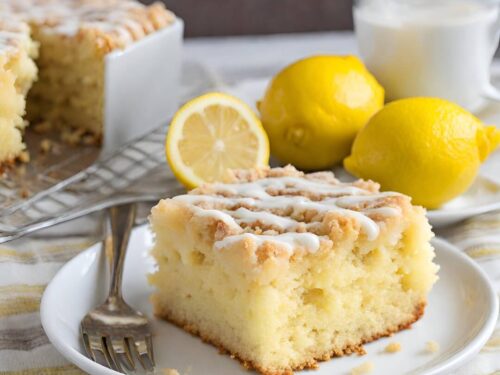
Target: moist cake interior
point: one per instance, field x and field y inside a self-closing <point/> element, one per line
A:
<point x="70" y="85"/>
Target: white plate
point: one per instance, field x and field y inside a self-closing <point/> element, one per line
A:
<point x="461" y="315"/>
<point x="483" y="196"/>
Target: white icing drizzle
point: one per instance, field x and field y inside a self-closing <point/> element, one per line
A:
<point x="14" y="35"/>
<point x="357" y="199"/>
<point x="216" y="214"/>
<point x="288" y="241"/>
<point x="257" y="189"/>
<point x="196" y="199"/>
<point x="340" y="198"/>
<point x="127" y="20"/>
<point x="244" y="215"/>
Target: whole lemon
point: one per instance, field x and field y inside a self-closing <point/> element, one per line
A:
<point x="427" y="148"/>
<point x="313" y="109"/>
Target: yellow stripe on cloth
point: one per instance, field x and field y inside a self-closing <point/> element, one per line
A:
<point x="481" y="252"/>
<point x="21" y="288"/>
<point x="21" y="305"/>
<point x="14" y="255"/>
<point x="20" y="299"/>
<point x="493" y="344"/>
<point x="54" y="253"/>
<point x="63" y="370"/>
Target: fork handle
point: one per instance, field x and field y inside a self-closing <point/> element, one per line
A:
<point x="122" y="218"/>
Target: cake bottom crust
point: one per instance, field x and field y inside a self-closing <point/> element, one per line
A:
<point x="311" y="363"/>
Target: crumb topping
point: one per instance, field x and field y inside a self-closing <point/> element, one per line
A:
<point x="46" y="145"/>
<point x="291" y="208"/>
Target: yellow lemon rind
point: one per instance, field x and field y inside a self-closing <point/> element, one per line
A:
<point x="182" y="172"/>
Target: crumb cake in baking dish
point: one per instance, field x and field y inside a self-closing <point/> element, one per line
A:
<point x="17" y="73"/>
<point x="282" y="269"/>
<point x="66" y="42"/>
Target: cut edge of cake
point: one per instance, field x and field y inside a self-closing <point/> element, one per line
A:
<point x="224" y="243"/>
<point x="17" y="73"/>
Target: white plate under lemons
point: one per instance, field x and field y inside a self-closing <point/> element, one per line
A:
<point x="460" y="317"/>
<point x="483" y="196"/>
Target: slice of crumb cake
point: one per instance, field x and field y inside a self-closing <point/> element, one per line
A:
<point x="282" y="269"/>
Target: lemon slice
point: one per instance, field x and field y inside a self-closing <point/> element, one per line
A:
<point x="211" y="134"/>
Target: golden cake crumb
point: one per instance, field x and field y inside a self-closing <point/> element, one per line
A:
<point x="42" y="127"/>
<point x="170" y="371"/>
<point x="24" y="193"/>
<point x="432" y="346"/>
<point x="72" y="136"/>
<point x="90" y="140"/>
<point x="364" y="368"/>
<point x="24" y="157"/>
<point x="46" y="145"/>
<point x="393" y="347"/>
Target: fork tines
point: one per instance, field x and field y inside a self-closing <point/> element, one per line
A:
<point x="118" y="353"/>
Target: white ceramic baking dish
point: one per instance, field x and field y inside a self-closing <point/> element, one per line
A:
<point x="142" y="85"/>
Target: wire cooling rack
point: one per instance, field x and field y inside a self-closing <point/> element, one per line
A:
<point x="55" y="198"/>
<point x="68" y="182"/>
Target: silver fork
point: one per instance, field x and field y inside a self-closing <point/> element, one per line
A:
<point x="114" y="334"/>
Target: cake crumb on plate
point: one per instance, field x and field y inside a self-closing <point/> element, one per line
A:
<point x="432" y="346"/>
<point x="170" y="371"/>
<point x="42" y="127"/>
<point x="24" y="156"/>
<point x="46" y="145"/>
<point x="393" y="347"/>
<point x="364" y="368"/>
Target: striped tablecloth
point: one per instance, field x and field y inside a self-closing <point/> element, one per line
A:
<point x="28" y="265"/>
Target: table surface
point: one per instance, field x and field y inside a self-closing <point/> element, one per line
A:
<point x="27" y="265"/>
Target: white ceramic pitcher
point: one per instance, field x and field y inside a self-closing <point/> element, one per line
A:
<point x="440" y="48"/>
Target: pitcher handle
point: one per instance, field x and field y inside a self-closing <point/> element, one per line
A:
<point x="490" y="91"/>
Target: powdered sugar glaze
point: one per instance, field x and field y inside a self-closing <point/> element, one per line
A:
<point x="124" y="21"/>
<point x="14" y="34"/>
<point x="258" y="201"/>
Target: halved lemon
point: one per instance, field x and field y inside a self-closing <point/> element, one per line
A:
<point x="211" y="134"/>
